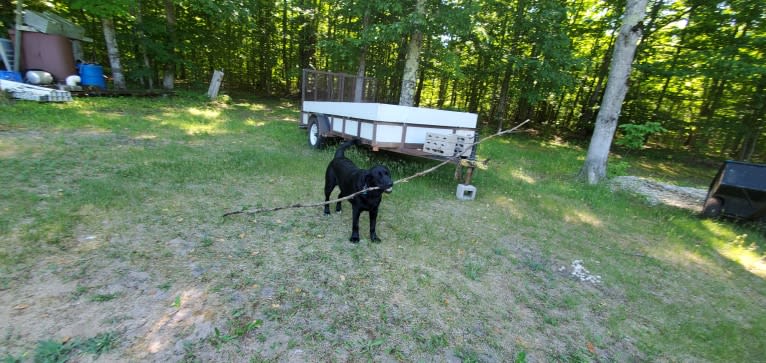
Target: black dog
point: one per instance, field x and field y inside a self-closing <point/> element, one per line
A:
<point x="343" y="173"/>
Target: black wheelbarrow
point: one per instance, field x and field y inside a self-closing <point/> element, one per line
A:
<point x="738" y="191"/>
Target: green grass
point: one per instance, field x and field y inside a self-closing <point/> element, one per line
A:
<point x="51" y="351"/>
<point x="128" y="194"/>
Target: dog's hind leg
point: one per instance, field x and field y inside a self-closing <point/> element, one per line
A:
<point x="329" y="184"/>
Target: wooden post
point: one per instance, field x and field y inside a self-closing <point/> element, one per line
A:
<point x="468" y="175"/>
<point x="215" y="84"/>
<point x="17" y="37"/>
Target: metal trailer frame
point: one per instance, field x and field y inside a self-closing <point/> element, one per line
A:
<point x="326" y="100"/>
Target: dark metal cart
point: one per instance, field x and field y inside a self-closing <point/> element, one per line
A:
<point x="738" y="190"/>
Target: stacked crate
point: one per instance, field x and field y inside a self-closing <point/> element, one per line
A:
<point x="448" y="145"/>
<point x="464" y="145"/>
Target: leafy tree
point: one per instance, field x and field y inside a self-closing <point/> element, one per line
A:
<point x="634" y="136"/>
<point x="698" y="69"/>
<point x="106" y="11"/>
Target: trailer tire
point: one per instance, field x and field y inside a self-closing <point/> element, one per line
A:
<point x="712" y="208"/>
<point x="315" y="139"/>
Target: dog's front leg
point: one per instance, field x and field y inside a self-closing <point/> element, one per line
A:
<point x="327" y="192"/>
<point x="373" y="223"/>
<point x="355" y="225"/>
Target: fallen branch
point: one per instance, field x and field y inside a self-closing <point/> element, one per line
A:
<point x="403" y="180"/>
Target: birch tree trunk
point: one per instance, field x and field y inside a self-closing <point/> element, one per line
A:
<point x="409" y="80"/>
<point x="113" y="52"/>
<point x="594" y="168"/>
<point x="359" y="86"/>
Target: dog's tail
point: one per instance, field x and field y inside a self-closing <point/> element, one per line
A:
<point x="340" y="153"/>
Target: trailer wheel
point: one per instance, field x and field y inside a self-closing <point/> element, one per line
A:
<point x="712" y="208"/>
<point x="316" y="140"/>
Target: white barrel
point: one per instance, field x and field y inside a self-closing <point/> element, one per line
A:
<point x="73" y="80"/>
<point x="39" y="77"/>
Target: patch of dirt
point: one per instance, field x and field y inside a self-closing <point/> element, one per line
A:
<point x="659" y="193"/>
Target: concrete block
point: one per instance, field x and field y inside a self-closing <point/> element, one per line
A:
<point x="465" y="192"/>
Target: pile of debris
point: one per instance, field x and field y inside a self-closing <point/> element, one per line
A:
<point x="25" y="91"/>
<point x="47" y="47"/>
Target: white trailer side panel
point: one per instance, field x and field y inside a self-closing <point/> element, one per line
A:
<point x="393" y="113"/>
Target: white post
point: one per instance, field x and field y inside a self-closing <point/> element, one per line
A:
<point x="215" y="84"/>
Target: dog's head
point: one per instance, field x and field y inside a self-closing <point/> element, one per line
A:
<point x="380" y="177"/>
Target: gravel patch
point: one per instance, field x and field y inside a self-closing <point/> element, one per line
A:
<point x="659" y="193"/>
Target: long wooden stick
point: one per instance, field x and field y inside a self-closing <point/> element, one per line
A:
<point x="403" y="180"/>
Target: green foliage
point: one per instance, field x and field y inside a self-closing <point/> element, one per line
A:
<point x="5" y="98"/>
<point x="467" y="355"/>
<point x="101" y="8"/>
<point x="699" y="69"/>
<point x="473" y="270"/>
<point x="99" y="344"/>
<point x="7" y="358"/>
<point x="103" y="297"/>
<point x="51" y="351"/>
<point x="634" y="136"/>
<point x="240" y="325"/>
<point x="618" y="168"/>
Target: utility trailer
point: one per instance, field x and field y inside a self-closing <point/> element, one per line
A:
<point x="738" y="190"/>
<point x="336" y="105"/>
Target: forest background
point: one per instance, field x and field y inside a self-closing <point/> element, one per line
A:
<point x="699" y="70"/>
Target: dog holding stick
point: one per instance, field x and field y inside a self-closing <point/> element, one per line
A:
<point x="343" y="173"/>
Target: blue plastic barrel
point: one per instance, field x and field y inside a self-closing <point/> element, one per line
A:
<point x="10" y="76"/>
<point x="92" y="75"/>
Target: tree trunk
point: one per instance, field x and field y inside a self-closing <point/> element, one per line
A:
<point x="673" y="63"/>
<point x="409" y="79"/>
<point x="473" y="89"/>
<point x="754" y="122"/>
<point x="142" y="47"/>
<point x="443" y="84"/>
<point x="359" y="86"/>
<point x="285" y="59"/>
<point x="113" y="52"/>
<point x="586" y="115"/>
<point x="594" y="169"/>
<point x="419" y="89"/>
<point x="169" y="74"/>
<point x="502" y="102"/>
